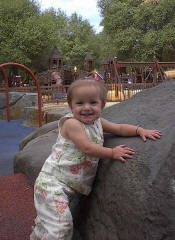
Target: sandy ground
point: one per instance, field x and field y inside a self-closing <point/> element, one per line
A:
<point x="170" y="74"/>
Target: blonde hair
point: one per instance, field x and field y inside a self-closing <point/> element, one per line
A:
<point x="87" y="82"/>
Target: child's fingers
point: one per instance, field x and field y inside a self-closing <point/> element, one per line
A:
<point x="122" y="159"/>
<point x="157" y="135"/>
<point x="157" y="131"/>
<point x="129" y="149"/>
<point x="128" y="156"/>
<point x="122" y="146"/>
<point x="154" y="137"/>
<point x="143" y="138"/>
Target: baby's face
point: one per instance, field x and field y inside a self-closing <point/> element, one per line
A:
<point x="86" y="104"/>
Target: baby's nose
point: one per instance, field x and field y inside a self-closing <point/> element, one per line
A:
<point x="86" y="106"/>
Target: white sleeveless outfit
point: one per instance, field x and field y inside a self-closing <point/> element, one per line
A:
<point x="66" y="171"/>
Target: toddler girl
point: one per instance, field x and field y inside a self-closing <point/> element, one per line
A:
<point x="72" y="165"/>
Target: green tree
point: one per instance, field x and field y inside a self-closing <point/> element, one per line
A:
<point x="76" y="40"/>
<point x="138" y="30"/>
<point x="26" y="34"/>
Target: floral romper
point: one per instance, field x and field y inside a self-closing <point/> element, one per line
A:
<point x="65" y="172"/>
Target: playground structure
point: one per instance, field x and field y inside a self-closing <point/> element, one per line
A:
<point x="135" y="72"/>
<point x="125" y="79"/>
<point x="60" y="73"/>
<point x="122" y="79"/>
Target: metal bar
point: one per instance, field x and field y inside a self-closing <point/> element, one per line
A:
<point x="6" y="92"/>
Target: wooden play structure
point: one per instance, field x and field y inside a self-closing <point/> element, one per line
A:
<point x="135" y="72"/>
<point x="55" y="60"/>
<point x="125" y="79"/>
<point x="66" y="73"/>
<point x="57" y="73"/>
<point x="122" y="79"/>
<point x="88" y="63"/>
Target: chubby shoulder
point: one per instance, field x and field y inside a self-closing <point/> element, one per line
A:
<point x="70" y="124"/>
<point x="71" y="127"/>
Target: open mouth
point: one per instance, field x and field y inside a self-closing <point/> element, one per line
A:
<point x="87" y="114"/>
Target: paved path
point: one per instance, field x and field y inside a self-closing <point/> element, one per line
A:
<point x="11" y="133"/>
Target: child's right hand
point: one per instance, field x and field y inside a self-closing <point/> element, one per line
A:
<point x="121" y="152"/>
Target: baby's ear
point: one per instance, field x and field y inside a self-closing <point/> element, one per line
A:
<point x="70" y="106"/>
<point x="103" y="105"/>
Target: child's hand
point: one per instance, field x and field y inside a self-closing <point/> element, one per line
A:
<point x="151" y="134"/>
<point x="121" y="152"/>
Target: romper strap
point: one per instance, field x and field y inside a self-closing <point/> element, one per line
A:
<point x="63" y="119"/>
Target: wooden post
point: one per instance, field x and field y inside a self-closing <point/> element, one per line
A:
<point x="117" y="77"/>
<point x="155" y="70"/>
<point x="160" y="71"/>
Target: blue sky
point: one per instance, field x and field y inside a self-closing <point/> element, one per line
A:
<point x="86" y="8"/>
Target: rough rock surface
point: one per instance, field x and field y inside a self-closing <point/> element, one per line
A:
<point x="131" y="201"/>
<point x="17" y="102"/>
<point x="24" y="105"/>
<point x="55" y="113"/>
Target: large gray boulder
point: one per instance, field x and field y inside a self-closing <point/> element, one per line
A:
<point x="17" y="103"/>
<point x="131" y="201"/>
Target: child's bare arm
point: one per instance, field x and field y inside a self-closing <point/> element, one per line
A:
<point x="73" y="131"/>
<point x="127" y="130"/>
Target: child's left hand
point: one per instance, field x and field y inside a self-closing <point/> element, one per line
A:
<point x="151" y="134"/>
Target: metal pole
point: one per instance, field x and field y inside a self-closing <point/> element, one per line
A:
<point x="6" y="92"/>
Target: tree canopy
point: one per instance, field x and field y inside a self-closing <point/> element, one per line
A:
<point x="77" y="39"/>
<point x="135" y="30"/>
<point x="139" y="30"/>
<point x="29" y="35"/>
<point x="25" y="32"/>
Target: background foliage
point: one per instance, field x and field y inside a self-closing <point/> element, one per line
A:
<point x="138" y="30"/>
<point x="29" y="35"/>
<point x="134" y="30"/>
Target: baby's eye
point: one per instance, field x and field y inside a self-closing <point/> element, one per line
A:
<point x="94" y="102"/>
<point x="79" y="103"/>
